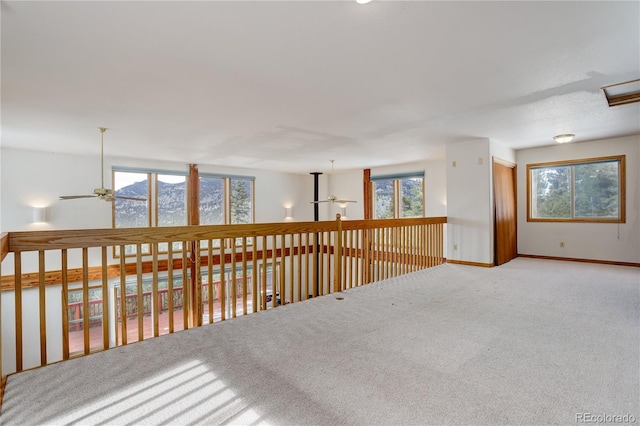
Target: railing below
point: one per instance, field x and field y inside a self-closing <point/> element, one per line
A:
<point x="253" y="267"/>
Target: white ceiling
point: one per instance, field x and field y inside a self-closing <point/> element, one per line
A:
<point x="291" y="85"/>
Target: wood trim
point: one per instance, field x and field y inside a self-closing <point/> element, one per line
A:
<point x="464" y="262"/>
<point x="504" y="162"/>
<point x="391" y="223"/>
<point x="193" y="197"/>
<point x="367" y="194"/>
<point x="574" y="259"/>
<point x="4" y="245"/>
<point x="3" y="385"/>
<point x="80" y="238"/>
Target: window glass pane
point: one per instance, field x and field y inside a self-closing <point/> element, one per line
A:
<point x="383" y="199"/>
<point x="551" y="192"/>
<point x="596" y="190"/>
<point x="172" y="200"/>
<point x="211" y="201"/>
<point x="241" y="201"/>
<point x="411" y="197"/>
<point x="131" y="213"/>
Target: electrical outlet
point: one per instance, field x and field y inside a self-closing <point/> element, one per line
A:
<point x="453" y="164"/>
<point x="562" y="244"/>
<point x="479" y="161"/>
<point x="455" y="247"/>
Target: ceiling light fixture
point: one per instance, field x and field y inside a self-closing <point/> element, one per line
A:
<point x="567" y="137"/>
<point x="362" y="1"/>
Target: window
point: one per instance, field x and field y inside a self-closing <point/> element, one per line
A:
<point x="223" y="199"/>
<point x="171" y="200"/>
<point x="588" y="190"/>
<point x="212" y="200"/>
<point x="132" y="213"/>
<point x="398" y="196"/>
<point x="226" y="199"/>
<point x="168" y="201"/>
<point x="241" y="200"/>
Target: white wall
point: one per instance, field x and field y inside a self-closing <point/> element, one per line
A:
<point x="0" y="186"/>
<point x="469" y="205"/>
<point x="606" y="241"/>
<point x="32" y="178"/>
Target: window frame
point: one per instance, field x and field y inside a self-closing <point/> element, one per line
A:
<point x="396" y="196"/>
<point x="620" y="159"/>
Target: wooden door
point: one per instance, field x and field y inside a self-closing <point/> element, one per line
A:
<point x="505" y="217"/>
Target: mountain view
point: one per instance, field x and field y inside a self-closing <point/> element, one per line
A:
<point x="172" y="203"/>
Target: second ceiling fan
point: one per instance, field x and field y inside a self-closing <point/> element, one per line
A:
<point x="333" y="198"/>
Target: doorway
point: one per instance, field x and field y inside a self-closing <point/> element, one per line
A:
<point x="505" y="212"/>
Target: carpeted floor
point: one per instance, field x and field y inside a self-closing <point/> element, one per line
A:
<point x="529" y="342"/>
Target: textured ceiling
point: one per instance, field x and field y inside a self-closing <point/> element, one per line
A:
<point x="291" y="85"/>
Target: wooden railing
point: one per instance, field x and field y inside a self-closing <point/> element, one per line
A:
<point x="268" y="264"/>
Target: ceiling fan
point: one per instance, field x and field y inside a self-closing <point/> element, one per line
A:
<point x="333" y="198"/>
<point x="102" y="193"/>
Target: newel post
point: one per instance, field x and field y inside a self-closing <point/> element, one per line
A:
<point x="337" y="257"/>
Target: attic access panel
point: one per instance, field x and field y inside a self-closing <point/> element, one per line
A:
<point x="622" y="93"/>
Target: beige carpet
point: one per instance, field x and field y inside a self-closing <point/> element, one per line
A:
<point x="530" y="342"/>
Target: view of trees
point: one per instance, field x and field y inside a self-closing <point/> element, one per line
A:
<point x="241" y="201"/>
<point x="595" y="189"/>
<point x="410" y="198"/>
<point x="411" y="205"/>
<point x="383" y="199"/>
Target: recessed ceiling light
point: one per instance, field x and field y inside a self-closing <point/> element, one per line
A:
<point x="362" y="1"/>
<point x="567" y="137"/>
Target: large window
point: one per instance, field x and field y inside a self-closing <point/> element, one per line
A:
<point x="398" y="196"/>
<point x="224" y="199"/>
<point x="587" y="190"/>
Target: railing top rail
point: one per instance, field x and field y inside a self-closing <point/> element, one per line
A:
<point x="84" y="238"/>
<point x="81" y="238"/>
<point x="349" y="225"/>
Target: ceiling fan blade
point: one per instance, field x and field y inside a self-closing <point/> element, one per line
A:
<point x="345" y="201"/>
<point x="320" y="201"/>
<point x="73" y="197"/>
<point x="120" y="197"/>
